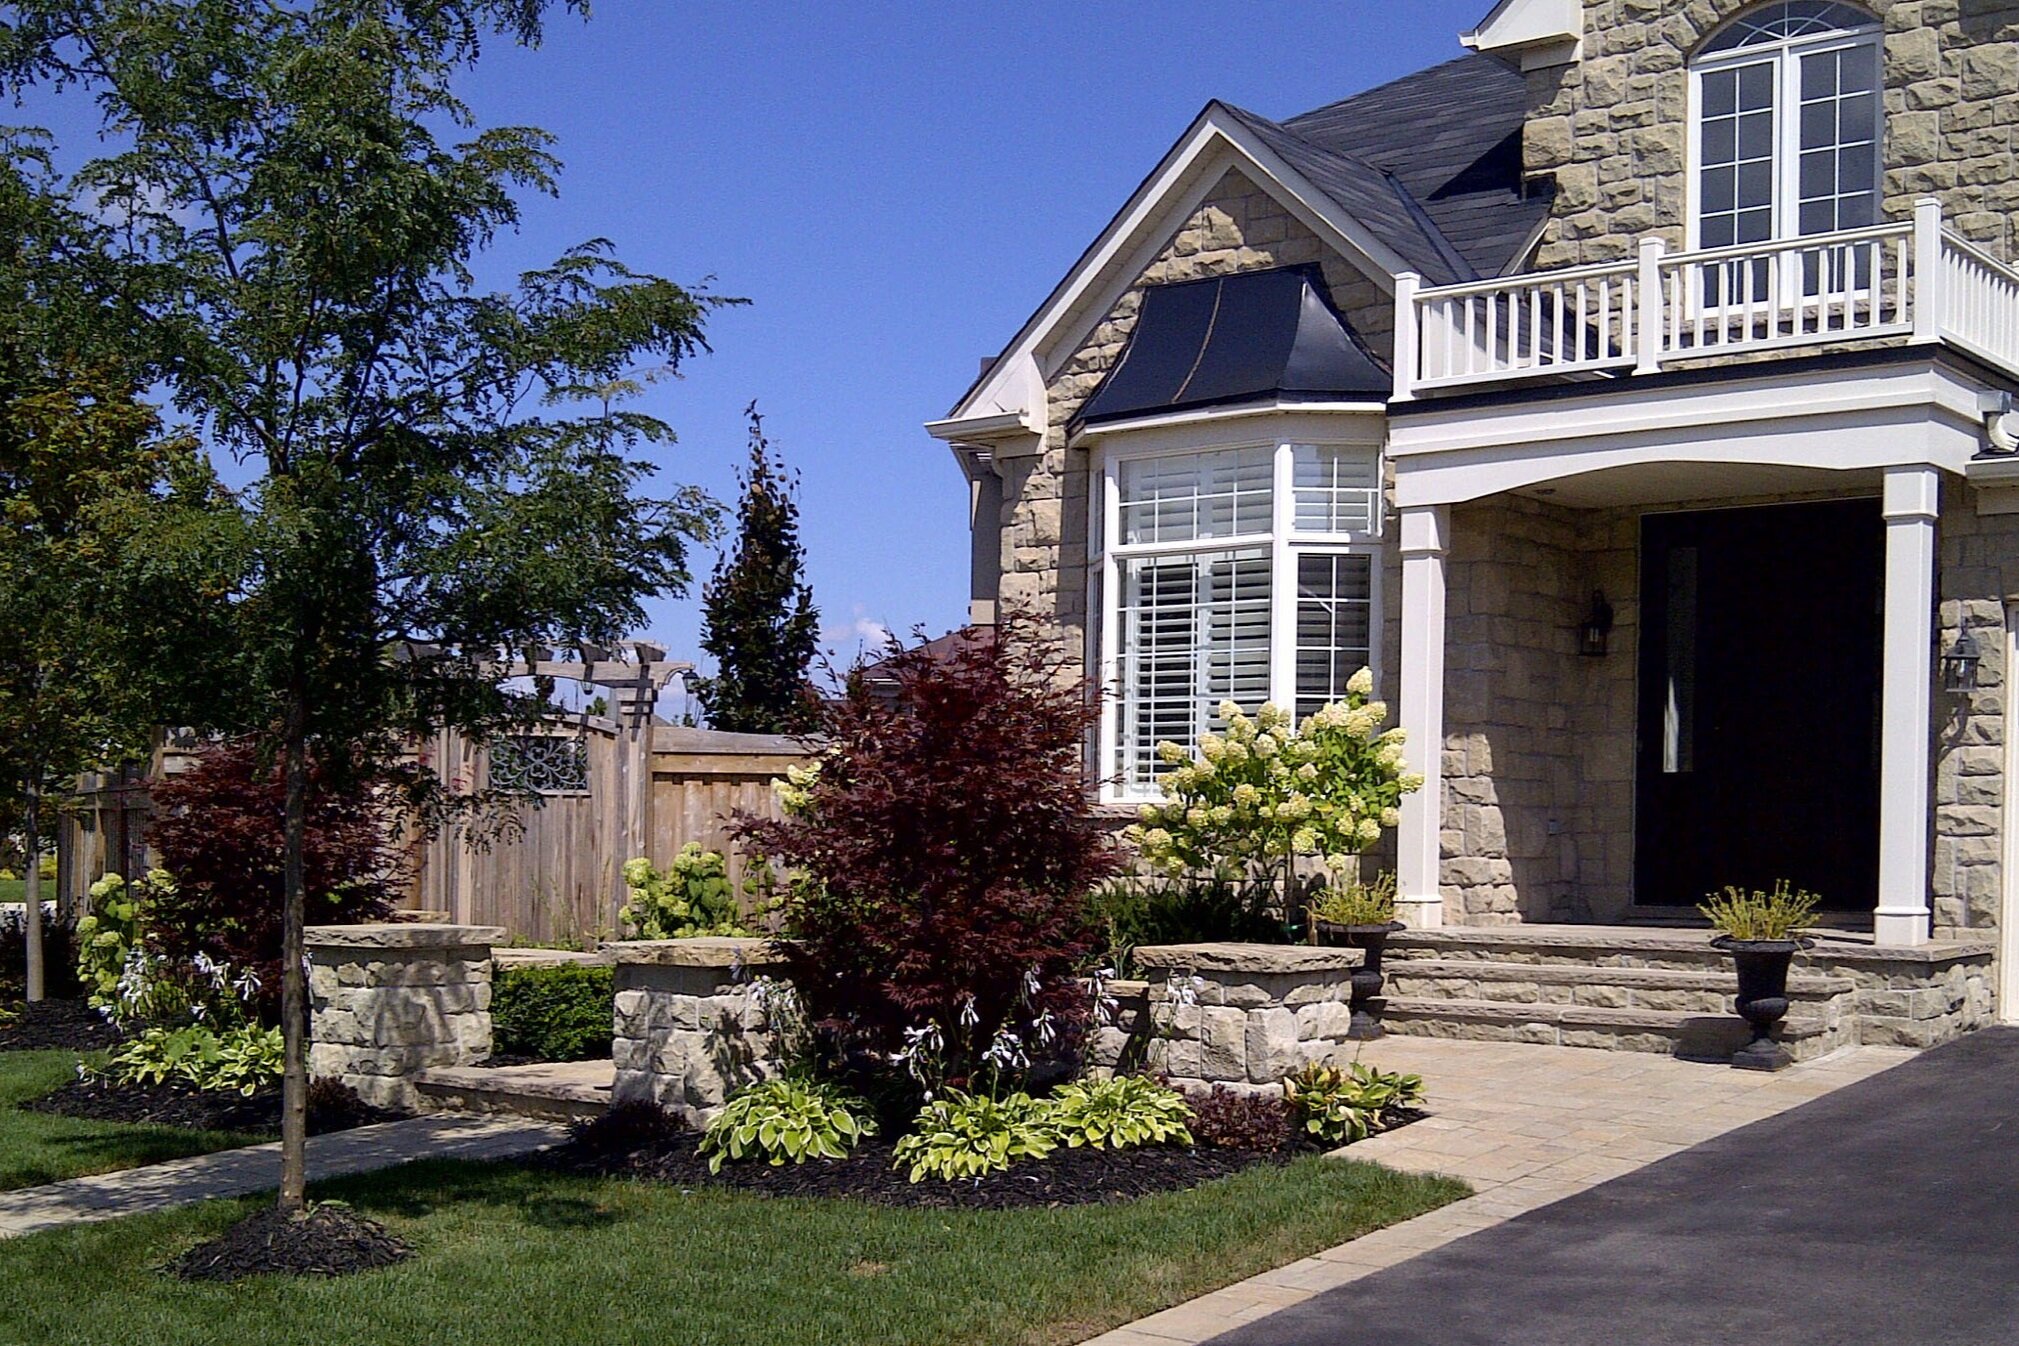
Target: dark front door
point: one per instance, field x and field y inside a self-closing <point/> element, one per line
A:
<point x="1759" y="702"/>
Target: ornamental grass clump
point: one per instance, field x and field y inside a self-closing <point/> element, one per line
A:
<point x="1755" y="915"/>
<point x="1351" y="902"/>
<point x="1268" y="790"/>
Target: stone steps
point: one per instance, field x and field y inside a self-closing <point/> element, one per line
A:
<point x="1666" y="989"/>
<point x="1708" y="1037"/>
<point x="550" y="1091"/>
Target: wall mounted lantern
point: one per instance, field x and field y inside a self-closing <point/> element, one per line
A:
<point x="1959" y="665"/>
<point x="1596" y="628"/>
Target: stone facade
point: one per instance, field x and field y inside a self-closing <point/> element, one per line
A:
<point x="1254" y="1013"/>
<point x="689" y="1025"/>
<point x="1611" y="129"/>
<point x="389" y="1001"/>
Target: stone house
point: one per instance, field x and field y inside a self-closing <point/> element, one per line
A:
<point x="1633" y="394"/>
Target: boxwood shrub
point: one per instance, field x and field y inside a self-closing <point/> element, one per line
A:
<point x="557" y="1013"/>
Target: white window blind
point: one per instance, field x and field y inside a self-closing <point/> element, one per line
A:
<point x="1195" y="633"/>
<point x="1196" y="496"/>
<point x="1337" y="490"/>
<point x="1335" y="625"/>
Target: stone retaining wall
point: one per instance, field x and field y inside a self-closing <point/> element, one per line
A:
<point x="689" y="1030"/>
<point x="389" y="1001"/>
<point x="1244" y="1015"/>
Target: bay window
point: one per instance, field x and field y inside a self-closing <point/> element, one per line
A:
<point x="1245" y="573"/>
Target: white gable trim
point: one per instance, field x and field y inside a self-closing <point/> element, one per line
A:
<point x="1538" y="33"/>
<point x="1215" y="143"/>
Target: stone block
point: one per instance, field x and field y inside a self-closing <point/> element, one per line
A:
<point x="1223" y="1038"/>
<point x="1272" y="1041"/>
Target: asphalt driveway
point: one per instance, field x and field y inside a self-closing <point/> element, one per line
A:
<point x="1886" y="1212"/>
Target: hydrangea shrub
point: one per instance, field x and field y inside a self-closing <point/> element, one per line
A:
<point x="1269" y="790"/>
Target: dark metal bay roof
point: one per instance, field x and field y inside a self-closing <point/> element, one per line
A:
<point x="1235" y="339"/>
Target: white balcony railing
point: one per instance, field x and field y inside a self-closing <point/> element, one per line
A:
<point x="1915" y="281"/>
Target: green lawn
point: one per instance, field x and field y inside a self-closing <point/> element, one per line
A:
<point x="15" y="890"/>
<point x="512" y="1255"/>
<point x="36" y="1147"/>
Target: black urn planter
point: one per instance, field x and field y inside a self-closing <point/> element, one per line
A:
<point x="1365" y="980"/>
<point x="1762" y="967"/>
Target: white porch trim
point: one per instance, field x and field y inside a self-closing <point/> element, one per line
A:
<point x="1426" y="535"/>
<point x="1912" y="502"/>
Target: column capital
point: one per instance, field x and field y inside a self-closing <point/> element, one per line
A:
<point x="1912" y="492"/>
<point x="1426" y="529"/>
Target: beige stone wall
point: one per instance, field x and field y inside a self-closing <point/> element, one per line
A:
<point x="1611" y="128"/>
<point x="1239" y="227"/>
<point x="1979" y="570"/>
<point x="1538" y="753"/>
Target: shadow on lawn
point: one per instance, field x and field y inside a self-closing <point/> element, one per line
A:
<point x="417" y="1191"/>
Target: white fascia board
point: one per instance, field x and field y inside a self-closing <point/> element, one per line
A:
<point x="1847" y="419"/>
<point x="979" y="429"/>
<point x="1537" y="32"/>
<point x="1328" y="420"/>
<point x="1180" y="184"/>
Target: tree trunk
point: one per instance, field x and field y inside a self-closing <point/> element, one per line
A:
<point x="293" y="979"/>
<point x="31" y="844"/>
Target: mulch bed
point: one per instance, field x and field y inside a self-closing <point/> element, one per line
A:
<point x="59" y="1026"/>
<point x="329" y="1240"/>
<point x="1065" y="1178"/>
<point x="104" y="1100"/>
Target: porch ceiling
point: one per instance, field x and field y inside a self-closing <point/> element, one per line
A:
<point x="1669" y="483"/>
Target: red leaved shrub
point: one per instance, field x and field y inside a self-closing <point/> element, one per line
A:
<point x="218" y="828"/>
<point x="949" y="842"/>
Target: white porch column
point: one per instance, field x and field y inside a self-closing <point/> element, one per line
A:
<point x="1912" y="501"/>
<point x="1425" y="536"/>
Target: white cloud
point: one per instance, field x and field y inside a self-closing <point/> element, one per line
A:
<point x="859" y="632"/>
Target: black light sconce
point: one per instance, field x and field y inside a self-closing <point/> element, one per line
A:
<point x="1596" y="628"/>
<point x="1959" y="665"/>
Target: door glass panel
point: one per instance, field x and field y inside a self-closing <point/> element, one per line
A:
<point x="1678" y="716"/>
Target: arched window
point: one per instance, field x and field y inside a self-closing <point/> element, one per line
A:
<point x="1784" y="124"/>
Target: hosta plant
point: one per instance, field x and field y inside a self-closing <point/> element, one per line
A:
<point x="787" y="1121"/>
<point x="1119" y="1113"/>
<point x="1340" y="1105"/>
<point x="240" y="1058"/>
<point x="960" y="1135"/>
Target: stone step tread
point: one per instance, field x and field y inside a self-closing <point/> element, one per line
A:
<point x="1832" y="946"/>
<point x="1579" y="1016"/>
<point x="1585" y="974"/>
<point x="587" y="1082"/>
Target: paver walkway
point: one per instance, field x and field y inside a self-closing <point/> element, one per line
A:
<point x="1526" y="1126"/>
<point x="257" y="1168"/>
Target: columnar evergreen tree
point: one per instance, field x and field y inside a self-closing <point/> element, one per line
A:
<point x="757" y="615"/>
<point x="439" y="472"/>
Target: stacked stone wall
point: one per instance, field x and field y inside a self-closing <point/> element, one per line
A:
<point x="1243" y="1016"/>
<point x="691" y="1025"/>
<point x="389" y="1001"/>
<point x="1611" y="129"/>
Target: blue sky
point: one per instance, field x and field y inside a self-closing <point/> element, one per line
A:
<point x="894" y="186"/>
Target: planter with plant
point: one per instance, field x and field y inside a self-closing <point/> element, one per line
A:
<point x="1762" y="932"/>
<point x="1360" y="916"/>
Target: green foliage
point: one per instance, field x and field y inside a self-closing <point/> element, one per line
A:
<point x="1268" y="791"/>
<point x="1184" y="909"/>
<point x="960" y="1135"/>
<point x="1780" y="914"/>
<point x="109" y="935"/>
<point x="757" y="614"/>
<point x="690" y="897"/>
<point x="787" y="1121"/>
<point x="1339" y="1106"/>
<point x="557" y="1013"/>
<point x="242" y="1057"/>
<point x="1351" y="902"/>
<point x="1119" y="1113"/>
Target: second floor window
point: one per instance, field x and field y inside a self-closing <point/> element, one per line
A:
<point x="1785" y="124"/>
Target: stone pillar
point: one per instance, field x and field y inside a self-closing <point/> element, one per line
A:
<point x="688" y="1030"/>
<point x="1911" y="503"/>
<point x="1246" y="1015"/>
<point x="389" y="1001"/>
<point x="1426" y="535"/>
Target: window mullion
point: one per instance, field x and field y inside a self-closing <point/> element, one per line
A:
<point x="1114" y="697"/>
<point x="1283" y="582"/>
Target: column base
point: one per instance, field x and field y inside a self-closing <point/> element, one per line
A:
<point x="1900" y="926"/>
<point x="1420" y="913"/>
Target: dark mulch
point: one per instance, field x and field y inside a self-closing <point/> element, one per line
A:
<point x="332" y="1106"/>
<point x="57" y="1026"/>
<point x="330" y="1240"/>
<point x="1065" y="1178"/>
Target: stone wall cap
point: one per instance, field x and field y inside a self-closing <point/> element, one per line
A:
<point x="401" y="936"/>
<point x="702" y="951"/>
<point x="1261" y="959"/>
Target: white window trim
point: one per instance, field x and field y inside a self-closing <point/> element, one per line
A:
<point x="1786" y="54"/>
<point x="1283" y="543"/>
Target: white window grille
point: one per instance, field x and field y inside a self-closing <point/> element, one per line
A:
<point x="1242" y="574"/>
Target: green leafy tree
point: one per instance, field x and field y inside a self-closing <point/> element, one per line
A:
<point x="757" y="615"/>
<point x="438" y="472"/>
<point x="79" y="456"/>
